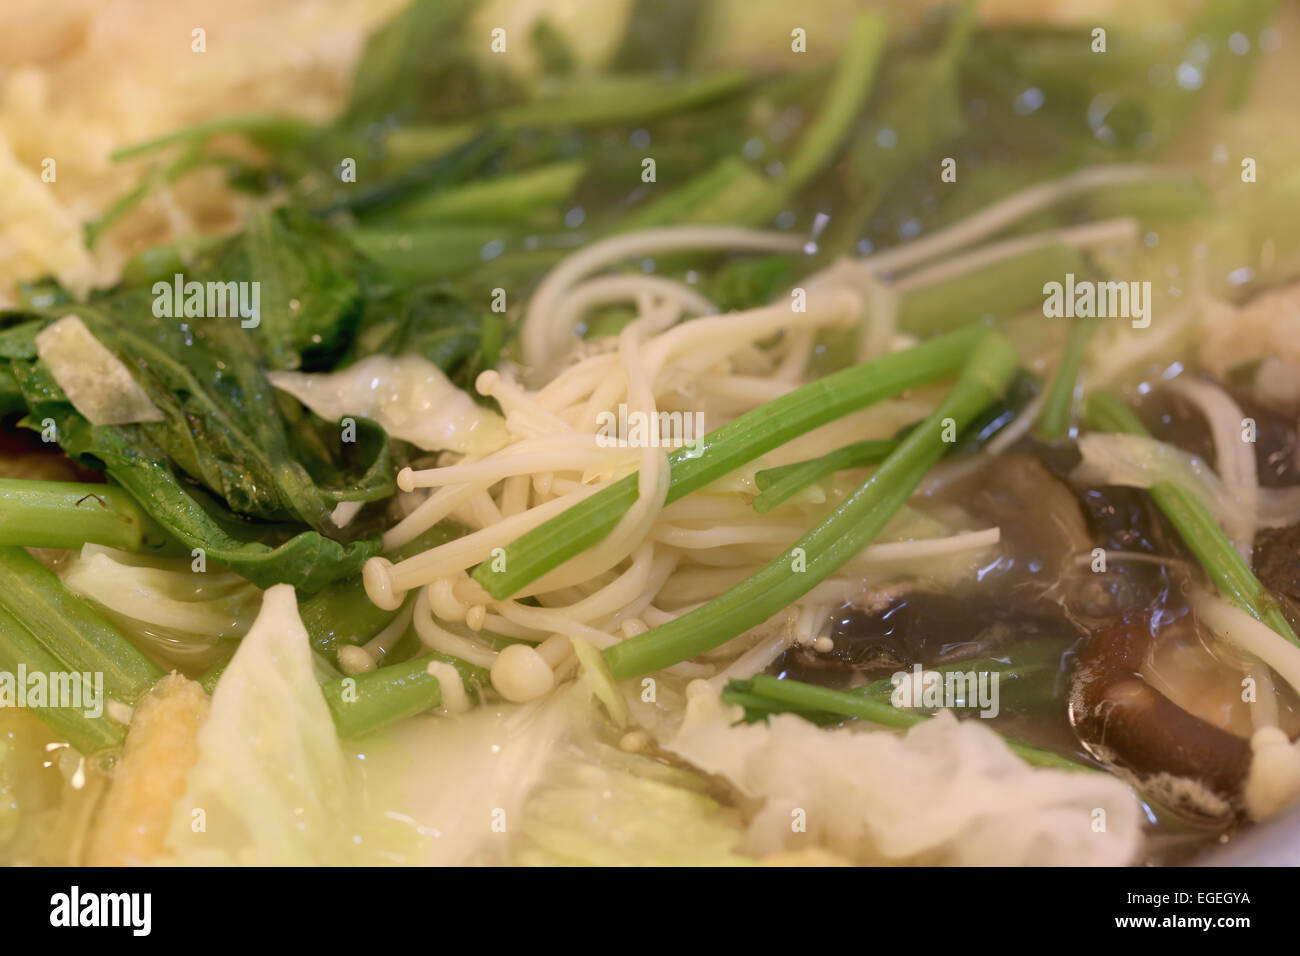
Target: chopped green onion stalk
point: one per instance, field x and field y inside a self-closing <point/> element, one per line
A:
<point x="22" y="654"/>
<point x="1196" y="525"/>
<point x="271" y="129"/>
<point x="725" y="193"/>
<point x="840" y="536"/>
<point x="1054" y="420"/>
<point x="998" y="289"/>
<point x="622" y="99"/>
<point x="780" y="484"/>
<point x="505" y="199"/>
<point x="723" y="450"/>
<point x="69" y="630"/>
<point x="852" y="83"/>
<point x="46" y="630"/>
<point x="811" y="698"/>
<point x="68" y="514"/>
<point x="384" y="696"/>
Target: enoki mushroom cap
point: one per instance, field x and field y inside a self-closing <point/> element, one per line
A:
<point x="520" y="674"/>
<point x="377" y="578"/>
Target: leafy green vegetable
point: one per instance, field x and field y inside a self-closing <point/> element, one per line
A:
<point x="854" y="77"/>
<point x="622" y="98"/>
<point x="270" y="130"/>
<point x="723" y="193"/>
<point x="235" y="468"/>
<point x="433" y="322"/>
<point x="422" y="49"/>
<point x="920" y="113"/>
<point x="420" y="162"/>
<point x="427" y="253"/>
<point x="310" y="280"/>
<point x="519" y="197"/>
<point x="264" y="552"/>
<point x="221" y="429"/>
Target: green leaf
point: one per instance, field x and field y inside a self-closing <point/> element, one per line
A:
<point x="264" y="553"/>
<point x="309" y="284"/>
<point x="433" y="322"/>
<point x="420" y="65"/>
